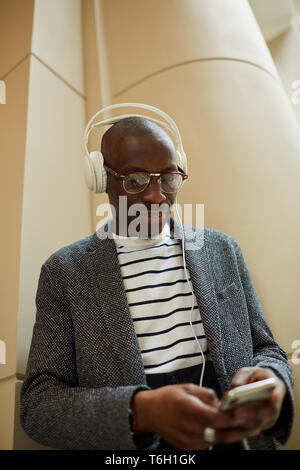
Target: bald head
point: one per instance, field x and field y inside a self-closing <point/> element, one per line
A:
<point x="128" y="129"/>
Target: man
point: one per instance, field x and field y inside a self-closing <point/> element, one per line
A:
<point x="112" y="331"/>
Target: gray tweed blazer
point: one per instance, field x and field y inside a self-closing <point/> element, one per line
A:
<point x="85" y="364"/>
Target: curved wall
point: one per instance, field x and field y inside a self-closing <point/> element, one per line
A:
<point x="207" y="65"/>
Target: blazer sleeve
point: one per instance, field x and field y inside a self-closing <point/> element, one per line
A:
<point x="54" y="410"/>
<point x="266" y="351"/>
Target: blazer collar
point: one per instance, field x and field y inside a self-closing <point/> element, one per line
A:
<point x="105" y="276"/>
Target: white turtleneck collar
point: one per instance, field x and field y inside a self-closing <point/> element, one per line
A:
<point x="143" y="242"/>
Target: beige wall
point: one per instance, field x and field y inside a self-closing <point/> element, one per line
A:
<point x="207" y="65"/>
<point x="45" y="203"/>
<point x="56" y="202"/>
<point x="294" y="441"/>
<point x="285" y="52"/>
<point x="95" y="73"/>
<point x="238" y="127"/>
<point x="15" y="29"/>
<point x="7" y="407"/>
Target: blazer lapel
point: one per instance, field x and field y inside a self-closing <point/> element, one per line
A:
<point x="105" y="275"/>
<point x="199" y="267"/>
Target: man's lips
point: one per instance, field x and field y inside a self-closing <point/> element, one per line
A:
<point x="155" y="215"/>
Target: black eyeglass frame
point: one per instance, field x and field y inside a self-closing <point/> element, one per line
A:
<point x="181" y="173"/>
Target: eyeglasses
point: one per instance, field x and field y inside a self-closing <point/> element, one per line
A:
<point x="137" y="181"/>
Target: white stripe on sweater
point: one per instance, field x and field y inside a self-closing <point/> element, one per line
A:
<point x="160" y="302"/>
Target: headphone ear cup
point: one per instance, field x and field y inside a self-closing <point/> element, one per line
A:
<point x="89" y="173"/>
<point x="182" y="161"/>
<point x="95" y="173"/>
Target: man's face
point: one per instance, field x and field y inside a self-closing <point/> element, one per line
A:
<point x="150" y="154"/>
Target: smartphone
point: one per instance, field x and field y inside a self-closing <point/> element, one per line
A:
<point x="249" y="394"/>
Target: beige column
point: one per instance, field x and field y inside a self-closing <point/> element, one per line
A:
<point x="211" y="70"/>
<point x="285" y="52"/>
<point x="207" y="65"/>
<point x="46" y="204"/>
<point x="16" y="19"/>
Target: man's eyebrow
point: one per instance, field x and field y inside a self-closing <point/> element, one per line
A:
<point x="131" y="168"/>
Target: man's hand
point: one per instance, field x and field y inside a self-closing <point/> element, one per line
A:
<point x="178" y="413"/>
<point x="246" y="421"/>
<point x="265" y="415"/>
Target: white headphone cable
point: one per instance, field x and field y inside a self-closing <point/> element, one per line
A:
<point x="184" y="265"/>
<point x="244" y="441"/>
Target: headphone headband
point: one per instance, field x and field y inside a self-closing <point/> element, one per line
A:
<point x="95" y="172"/>
<point x="135" y="105"/>
<point x="109" y="121"/>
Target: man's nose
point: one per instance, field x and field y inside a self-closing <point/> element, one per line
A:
<point x="153" y="193"/>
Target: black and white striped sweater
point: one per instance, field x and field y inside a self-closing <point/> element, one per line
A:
<point x="160" y="302"/>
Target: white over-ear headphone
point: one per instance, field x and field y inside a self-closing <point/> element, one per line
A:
<point x="95" y="173"/>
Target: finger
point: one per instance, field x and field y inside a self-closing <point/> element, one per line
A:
<point x="254" y="416"/>
<point x="232" y="435"/>
<point x="262" y="373"/>
<point x="207" y="395"/>
<point x="223" y="419"/>
<point x="247" y="375"/>
<point x="199" y="412"/>
<point x="242" y="376"/>
<point x="203" y="414"/>
<point x="275" y="397"/>
<point x="246" y="417"/>
<point x="278" y="393"/>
